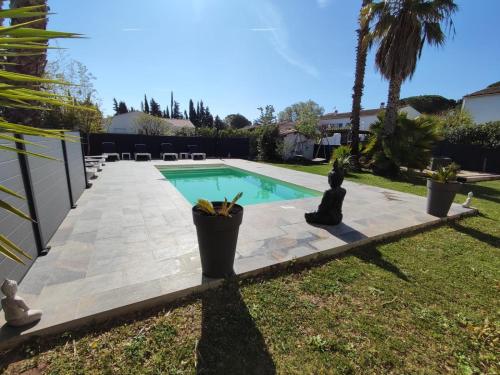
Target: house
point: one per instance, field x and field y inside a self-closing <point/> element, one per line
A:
<point x="483" y="105"/>
<point x="126" y="123"/>
<point x="294" y="142"/>
<point x="367" y="118"/>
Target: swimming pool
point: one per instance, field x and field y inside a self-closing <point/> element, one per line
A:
<point x="216" y="182"/>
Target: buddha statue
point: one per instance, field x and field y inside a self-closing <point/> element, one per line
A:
<point x="330" y="209"/>
<point x="17" y="313"/>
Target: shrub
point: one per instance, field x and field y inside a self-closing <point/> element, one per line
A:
<point x="342" y="155"/>
<point x="269" y="144"/>
<point x="485" y="135"/>
<point x="410" y="145"/>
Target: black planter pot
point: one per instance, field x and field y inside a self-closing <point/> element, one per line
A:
<point x="440" y="196"/>
<point x="217" y="238"/>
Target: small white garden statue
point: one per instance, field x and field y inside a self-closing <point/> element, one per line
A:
<point x="17" y="313"/>
<point x="468" y="201"/>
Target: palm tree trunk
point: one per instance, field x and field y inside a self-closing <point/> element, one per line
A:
<point x="32" y="65"/>
<point x="361" y="54"/>
<point x="391" y="112"/>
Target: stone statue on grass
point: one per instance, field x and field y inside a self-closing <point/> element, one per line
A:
<point x="330" y="209"/>
<point x="17" y="313"/>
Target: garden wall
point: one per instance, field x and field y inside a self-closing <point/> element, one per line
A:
<point x="50" y="187"/>
<point x="212" y="146"/>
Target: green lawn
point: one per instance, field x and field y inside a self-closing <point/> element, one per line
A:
<point x="422" y="304"/>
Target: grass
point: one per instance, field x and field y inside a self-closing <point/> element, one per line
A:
<point x="427" y="303"/>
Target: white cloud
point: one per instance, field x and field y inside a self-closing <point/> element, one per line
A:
<point x="323" y="3"/>
<point x="278" y="37"/>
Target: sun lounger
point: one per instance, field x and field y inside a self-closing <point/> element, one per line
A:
<point x="194" y="154"/>
<point x="167" y="152"/>
<point x="109" y="150"/>
<point x="141" y="151"/>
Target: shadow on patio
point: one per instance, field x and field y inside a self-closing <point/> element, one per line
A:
<point x="230" y="342"/>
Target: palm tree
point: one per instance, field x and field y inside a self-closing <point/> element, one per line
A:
<point x="28" y="61"/>
<point x="361" y="53"/>
<point x="402" y="28"/>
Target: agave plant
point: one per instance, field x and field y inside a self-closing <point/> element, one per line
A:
<point x="20" y="91"/>
<point x="225" y="209"/>
<point x="446" y="174"/>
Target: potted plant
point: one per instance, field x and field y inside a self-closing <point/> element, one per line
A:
<point x="217" y="226"/>
<point x="442" y="186"/>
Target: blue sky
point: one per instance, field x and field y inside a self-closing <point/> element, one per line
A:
<point x="238" y="55"/>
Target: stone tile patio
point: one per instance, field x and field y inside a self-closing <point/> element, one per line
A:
<point x="131" y="244"/>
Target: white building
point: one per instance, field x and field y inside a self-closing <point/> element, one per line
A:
<point x="483" y="105"/>
<point x="295" y="143"/>
<point x="367" y="118"/>
<point x="126" y="123"/>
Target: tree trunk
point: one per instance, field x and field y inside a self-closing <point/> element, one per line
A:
<point x="32" y="65"/>
<point x="391" y="112"/>
<point x="361" y="53"/>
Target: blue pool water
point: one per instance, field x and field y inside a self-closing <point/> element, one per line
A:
<point x="215" y="183"/>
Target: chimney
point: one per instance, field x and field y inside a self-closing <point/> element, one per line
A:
<point x="382" y="105"/>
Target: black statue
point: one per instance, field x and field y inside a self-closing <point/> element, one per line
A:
<point x="330" y="209"/>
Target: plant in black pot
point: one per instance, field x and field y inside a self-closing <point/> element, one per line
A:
<point x="442" y="186"/>
<point x="217" y="226"/>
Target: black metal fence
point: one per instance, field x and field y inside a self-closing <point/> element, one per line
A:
<point x="213" y="147"/>
<point x="51" y="188"/>
<point x="470" y="157"/>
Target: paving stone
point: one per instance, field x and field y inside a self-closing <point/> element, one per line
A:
<point x="131" y="241"/>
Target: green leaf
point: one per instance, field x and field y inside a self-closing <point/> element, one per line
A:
<point x="14" y="210"/>
<point x="11" y="192"/>
<point x="4" y="250"/>
<point x="16" y="150"/>
<point x="12" y="245"/>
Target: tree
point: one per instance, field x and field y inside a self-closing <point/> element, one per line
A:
<point x="237" y="121"/>
<point x="167" y="113"/>
<point x="193" y="117"/>
<point x="402" y="28"/>
<point x="89" y="119"/>
<point x="146" y="104"/>
<point x="359" y="79"/>
<point x="122" y="108"/>
<point x="172" y="103"/>
<point x="186" y="117"/>
<point x="154" y="108"/>
<point x="176" y="111"/>
<point x="429" y="104"/>
<point x="307" y="124"/>
<point x="410" y="147"/>
<point x="150" y="125"/>
<point x="31" y="61"/>
<point x="294" y="111"/>
<point x="218" y="123"/>
<point x="115" y="106"/>
<point x="267" y="116"/>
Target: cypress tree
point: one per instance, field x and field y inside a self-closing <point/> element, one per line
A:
<point x="155" y="108"/>
<point x="192" y="112"/>
<point x="146" y="104"/>
<point x="115" y="106"/>
<point x="172" y="103"/>
<point x="186" y="115"/>
<point x="168" y="114"/>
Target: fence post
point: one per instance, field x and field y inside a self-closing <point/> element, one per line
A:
<point x="30" y="197"/>
<point x="66" y="168"/>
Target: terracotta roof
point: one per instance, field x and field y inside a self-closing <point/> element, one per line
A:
<point x="494" y="90"/>
<point x="180" y="123"/>
<point x="364" y="112"/>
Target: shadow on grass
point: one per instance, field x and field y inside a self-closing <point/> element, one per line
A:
<point x="230" y="342"/>
<point x="478" y="235"/>
<point x="374" y="256"/>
